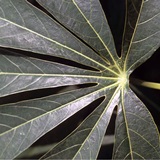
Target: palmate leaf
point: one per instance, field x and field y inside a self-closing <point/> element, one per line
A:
<point x="24" y="27"/>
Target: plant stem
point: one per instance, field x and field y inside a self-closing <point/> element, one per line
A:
<point x="153" y="85"/>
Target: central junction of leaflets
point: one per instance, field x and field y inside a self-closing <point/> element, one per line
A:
<point x="122" y="79"/>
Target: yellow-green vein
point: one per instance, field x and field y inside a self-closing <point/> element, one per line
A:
<point x="98" y="36"/>
<point x="135" y="29"/>
<point x="64" y="46"/>
<point x="126" y="122"/>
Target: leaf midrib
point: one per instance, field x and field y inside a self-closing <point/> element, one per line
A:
<point x="59" y="75"/>
<point x="30" y="121"/>
<point x="81" y="145"/>
<point x="115" y="63"/>
<point x="101" y="89"/>
<point x="126" y="123"/>
<point x="64" y="46"/>
<point x="110" y="101"/>
<point x="133" y="35"/>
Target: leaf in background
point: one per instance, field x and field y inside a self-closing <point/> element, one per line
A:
<point x="136" y="134"/>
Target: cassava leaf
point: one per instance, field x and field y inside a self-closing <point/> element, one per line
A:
<point x="82" y="143"/>
<point x="18" y="31"/>
<point x="145" y="31"/>
<point x="81" y="34"/>
<point x="135" y="129"/>
<point x="20" y="73"/>
<point x="86" y="19"/>
<point x="131" y="17"/>
<point x="24" y="122"/>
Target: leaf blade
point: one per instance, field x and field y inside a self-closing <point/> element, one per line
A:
<point x="134" y="140"/>
<point x="20" y="73"/>
<point x="47" y="37"/>
<point x="145" y="38"/>
<point x="84" y="142"/>
<point x="87" y="20"/>
<point x="131" y="17"/>
<point x="40" y="115"/>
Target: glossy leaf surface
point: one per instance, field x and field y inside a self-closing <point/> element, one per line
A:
<point x="89" y="135"/>
<point x="130" y="132"/>
<point x="81" y="35"/>
<point x="144" y="30"/>
<point x="21" y="73"/>
<point x="89" y="24"/>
